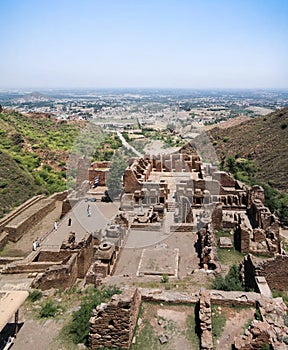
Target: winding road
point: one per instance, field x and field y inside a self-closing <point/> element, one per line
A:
<point x="126" y="144"/>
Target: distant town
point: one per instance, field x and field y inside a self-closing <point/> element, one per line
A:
<point x="121" y="108"/>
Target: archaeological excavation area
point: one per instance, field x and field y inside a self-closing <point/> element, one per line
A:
<point x="162" y="242"/>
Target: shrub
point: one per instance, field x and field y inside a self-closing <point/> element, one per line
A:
<point x="49" y="309"/>
<point x="257" y="315"/>
<point x="231" y="282"/>
<point x="79" y="327"/>
<point x="165" y="278"/>
<point x="35" y="295"/>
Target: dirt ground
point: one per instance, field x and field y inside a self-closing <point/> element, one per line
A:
<point x="189" y="274"/>
<point x="172" y="320"/>
<point x="236" y="320"/>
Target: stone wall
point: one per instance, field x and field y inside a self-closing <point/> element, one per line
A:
<point x="101" y="170"/>
<point x="36" y="261"/>
<point x="61" y="277"/>
<point x="3" y="239"/>
<point x="182" y="227"/>
<point x="28" y="218"/>
<point x="208" y="248"/>
<point x="274" y="270"/>
<point x="85" y="255"/>
<point x="47" y="255"/>
<point x="59" y="196"/>
<point x="9" y="217"/>
<point x="249" y="273"/>
<point x="136" y="174"/>
<point x="224" y="179"/>
<point x="97" y="270"/>
<point x="217" y="215"/>
<point x="82" y="170"/>
<point x="205" y="315"/>
<point x="67" y="205"/>
<point x="258" y="233"/>
<point x="84" y="248"/>
<point x="112" y="324"/>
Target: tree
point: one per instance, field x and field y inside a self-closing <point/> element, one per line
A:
<point x="114" y="181"/>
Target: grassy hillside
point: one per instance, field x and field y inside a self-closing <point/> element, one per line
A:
<point x="34" y="150"/>
<point x="263" y="142"/>
<point x="33" y="153"/>
<point x="256" y="152"/>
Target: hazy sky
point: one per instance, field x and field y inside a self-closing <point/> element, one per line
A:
<point x="144" y="43"/>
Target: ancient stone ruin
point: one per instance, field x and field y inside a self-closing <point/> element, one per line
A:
<point x="112" y="324"/>
<point x="162" y="195"/>
<point x="271" y="329"/>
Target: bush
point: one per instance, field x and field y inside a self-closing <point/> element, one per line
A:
<point x="231" y="282"/>
<point x="35" y="295"/>
<point x="49" y="309"/>
<point x="79" y="327"/>
<point x="165" y="278"/>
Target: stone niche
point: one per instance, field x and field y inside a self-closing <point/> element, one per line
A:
<point x="112" y="324"/>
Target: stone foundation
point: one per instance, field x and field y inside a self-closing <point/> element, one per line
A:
<point x="112" y="324"/>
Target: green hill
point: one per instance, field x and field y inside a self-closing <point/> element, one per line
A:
<point x="33" y="154"/>
<point x="255" y="151"/>
<point x="263" y="142"/>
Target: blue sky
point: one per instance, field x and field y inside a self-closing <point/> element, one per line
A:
<point x="144" y="43"/>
